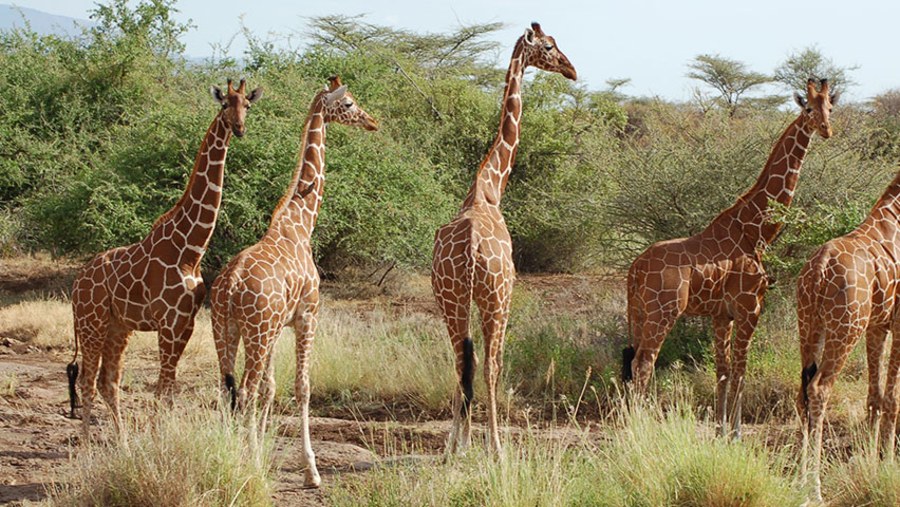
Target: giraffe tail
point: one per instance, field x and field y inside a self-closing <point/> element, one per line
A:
<point x="812" y="283"/>
<point x="232" y="390"/>
<point x="628" y="355"/>
<point x="467" y="379"/>
<point x="72" y="374"/>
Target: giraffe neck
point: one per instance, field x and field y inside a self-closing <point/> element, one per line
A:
<point x="298" y="209"/>
<point x="493" y="174"/>
<point x="886" y="212"/>
<point x="194" y="215"/>
<point x="776" y="183"/>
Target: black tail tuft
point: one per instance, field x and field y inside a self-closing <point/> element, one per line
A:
<point x="72" y="373"/>
<point x="232" y="390"/>
<point x="468" y="375"/>
<point x="805" y="378"/>
<point x="628" y="355"/>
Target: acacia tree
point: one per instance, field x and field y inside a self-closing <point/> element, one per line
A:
<point x="811" y="63"/>
<point x="731" y="79"/>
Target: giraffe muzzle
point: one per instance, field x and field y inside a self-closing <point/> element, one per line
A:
<point x="370" y="124"/>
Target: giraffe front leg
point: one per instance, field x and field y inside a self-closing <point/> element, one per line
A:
<point x="173" y="338"/>
<point x="723" y="327"/>
<point x="305" y="329"/>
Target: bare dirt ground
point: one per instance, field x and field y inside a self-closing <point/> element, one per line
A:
<point x="37" y="438"/>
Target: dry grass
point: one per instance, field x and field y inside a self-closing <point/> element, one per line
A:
<point x="45" y="323"/>
<point x="180" y="457"/>
<point x="645" y="457"/>
<point x="864" y="478"/>
<point x="374" y="357"/>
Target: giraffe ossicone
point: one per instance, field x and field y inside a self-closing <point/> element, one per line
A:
<point x="154" y="284"/>
<point x="274" y="283"/>
<point x="718" y="272"/>
<point x="473" y="253"/>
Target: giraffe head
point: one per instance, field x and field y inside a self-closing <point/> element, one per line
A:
<point x="541" y="52"/>
<point x="341" y="107"/>
<point x="235" y="103"/>
<point x="817" y="106"/>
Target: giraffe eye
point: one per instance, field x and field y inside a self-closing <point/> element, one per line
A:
<point x="548" y="46"/>
<point x="224" y="105"/>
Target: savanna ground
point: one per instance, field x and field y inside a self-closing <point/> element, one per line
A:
<point x="382" y="377"/>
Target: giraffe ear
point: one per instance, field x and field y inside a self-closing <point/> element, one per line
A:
<point x="217" y="94"/>
<point x="799" y="99"/>
<point x="529" y="36"/>
<point x="337" y="94"/>
<point x="255" y="95"/>
<point x="835" y="97"/>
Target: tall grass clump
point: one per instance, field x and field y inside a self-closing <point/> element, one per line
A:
<point x="657" y="458"/>
<point x="184" y="458"/>
<point x="376" y="358"/>
<point x="45" y="323"/>
<point x="529" y="471"/>
<point x="864" y="479"/>
<point x="642" y="457"/>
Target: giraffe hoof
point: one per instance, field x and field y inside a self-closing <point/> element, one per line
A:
<point x="312" y="481"/>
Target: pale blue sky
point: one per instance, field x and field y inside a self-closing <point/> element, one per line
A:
<point x="650" y="41"/>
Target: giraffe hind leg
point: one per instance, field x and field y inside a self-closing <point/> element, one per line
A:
<point x="111" y="373"/>
<point x="227" y="339"/>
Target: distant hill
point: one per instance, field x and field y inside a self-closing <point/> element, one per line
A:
<point x="41" y="22"/>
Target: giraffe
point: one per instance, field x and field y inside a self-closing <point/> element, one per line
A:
<point x="275" y="282"/>
<point x="473" y="253"/>
<point x="848" y="289"/>
<point x="719" y="272"/>
<point x="154" y="284"/>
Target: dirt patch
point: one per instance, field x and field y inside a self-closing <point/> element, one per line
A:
<point x="37" y="439"/>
